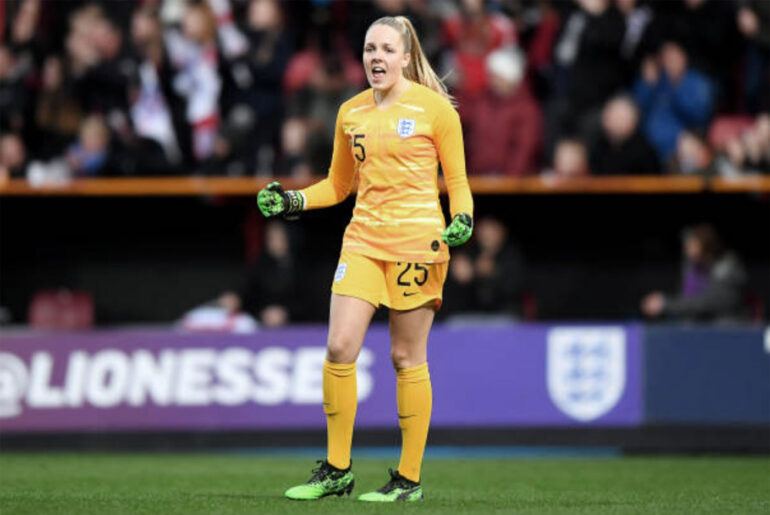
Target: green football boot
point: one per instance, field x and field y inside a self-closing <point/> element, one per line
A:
<point x="326" y="480"/>
<point x="398" y="488"/>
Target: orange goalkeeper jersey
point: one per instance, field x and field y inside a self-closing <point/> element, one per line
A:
<point x="396" y="152"/>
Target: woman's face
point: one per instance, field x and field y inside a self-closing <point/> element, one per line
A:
<point x="384" y="57"/>
<point x="52" y="73"/>
<point x="263" y="14"/>
<point x="276" y="240"/>
<point x="144" y="28"/>
<point x="693" y="249"/>
<point x="197" y="25"/>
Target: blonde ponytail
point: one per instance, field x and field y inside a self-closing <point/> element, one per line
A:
<point x="419" y="69"/>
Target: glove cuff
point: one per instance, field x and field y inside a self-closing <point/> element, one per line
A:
<point x="295" y="202"/>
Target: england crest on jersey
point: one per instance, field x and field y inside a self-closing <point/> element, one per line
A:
<point x="586" y="369"/>
<point x="406" y="127"/>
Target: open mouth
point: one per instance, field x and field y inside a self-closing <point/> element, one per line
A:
<point x="378" y="72"/>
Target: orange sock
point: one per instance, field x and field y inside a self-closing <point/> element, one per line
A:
<point x="340" y="403"/>
<point x="415" y="402"/>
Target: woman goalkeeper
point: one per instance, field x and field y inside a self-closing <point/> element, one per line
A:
<point x="394" y="251"/>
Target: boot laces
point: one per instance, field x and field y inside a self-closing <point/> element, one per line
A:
<point x="324" y="471"/>
<point x="396" y="481"/>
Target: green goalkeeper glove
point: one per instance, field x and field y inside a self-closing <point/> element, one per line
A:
<point x="274" y="201"/>
<point x="459" y="231"/>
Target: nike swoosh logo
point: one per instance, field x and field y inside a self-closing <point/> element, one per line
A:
<point x="402" y="417"/>
<point x="406" y="294"/>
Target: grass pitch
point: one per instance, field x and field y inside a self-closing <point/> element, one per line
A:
<point x="222" y="483"/>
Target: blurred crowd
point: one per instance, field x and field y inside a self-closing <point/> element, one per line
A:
<point x="487" y="282"/>
<point x="251" y="87"/>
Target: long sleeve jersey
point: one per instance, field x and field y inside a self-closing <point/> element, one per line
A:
<point x="395" y="152"/>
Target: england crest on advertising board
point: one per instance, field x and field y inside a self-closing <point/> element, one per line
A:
<point x="586" y="370"/>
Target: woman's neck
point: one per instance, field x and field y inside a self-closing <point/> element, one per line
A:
<point x="388" y="97"/>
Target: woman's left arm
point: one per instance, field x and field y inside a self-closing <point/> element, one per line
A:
<point x="448" y="137"/>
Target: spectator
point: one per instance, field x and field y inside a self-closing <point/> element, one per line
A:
<point x="152" y="116"/>
<point x="731" y="161"/>
<point x="757" y="143"/>
<point x="103" y="69"/>
<point x="753" y="20"/>
<point x="503" y="124"/>
<point x="642" y="35"/>
<point x="706" y="31"/>
<point x="13" y="97"/>
<point x="58" y="115"/>
<point x="488" y="278"/>
<point x="569" y="159"/>
<point x="540" y="26"/>
<point x="588" y="69"/>
<point x="498" y="268"/>
<point x="194" y="55"/>
<point x="472" y="34"/>
<point x="713" y="282"/>
<point x="26" y="55"/>
<point x="621" y="147"/>
<point x="693" y="155"/>
<point x="317" y="77"/>
<point x="13" y="156"/>
<point x="747" y="152"/>
<point x="232" y="42"/>
<point x="303" y="64"/>
<point x="23" y="29"/>
<point x="672" y="97"/>
<point x="272" y="291"/>
<point x="81" y="51"/>
<point x="233" y="153"/>
<point x="294" y="158"/>
<point x="90" y="154"/>
<point x="459" y="288"/>
<point x="314" y="107"/>
<point x="255" y="81"/>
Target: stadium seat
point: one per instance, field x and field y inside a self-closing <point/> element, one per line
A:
<point x="528" y="306"/>
<point x="755" y="306"/>
<point x="61" y="309"/>
<point x="724" y="128"/>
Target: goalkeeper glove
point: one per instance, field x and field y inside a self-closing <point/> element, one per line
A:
<point x="459" y="231"/>
<point x="274" y="201"/>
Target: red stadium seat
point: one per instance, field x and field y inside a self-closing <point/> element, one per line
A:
<point x="727" y="127"/>
<point x="61" y="309"/>
<point x="528" y="306"/>
<point x="755" y="306"/>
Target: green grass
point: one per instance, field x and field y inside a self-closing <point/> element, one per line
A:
<point x="217" y="483"/>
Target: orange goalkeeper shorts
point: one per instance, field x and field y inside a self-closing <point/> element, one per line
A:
<point x="398" y="285"/>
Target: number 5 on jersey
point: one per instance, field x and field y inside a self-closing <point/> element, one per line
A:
<point x="360" y="151"/>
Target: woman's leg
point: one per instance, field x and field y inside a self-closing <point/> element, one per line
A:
<point x="409" y="351"/>
<point x="349" y="318"/>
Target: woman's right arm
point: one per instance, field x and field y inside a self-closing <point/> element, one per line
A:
<point x="337" y="185"/>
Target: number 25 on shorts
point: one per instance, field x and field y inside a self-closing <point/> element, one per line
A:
<point x="419" y="276"/>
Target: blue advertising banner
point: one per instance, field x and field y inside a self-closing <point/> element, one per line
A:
<point x="715" y="375"/>
<point x="528" y="375"/>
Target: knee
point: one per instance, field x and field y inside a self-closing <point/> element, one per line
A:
<point x="401" y="357"/>
<point x="341" y="349"/>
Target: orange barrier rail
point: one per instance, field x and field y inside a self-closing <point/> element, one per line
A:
<point x="599" y="185"/>
<point x="178" y="186"/>
<point x="741" y="184"/>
